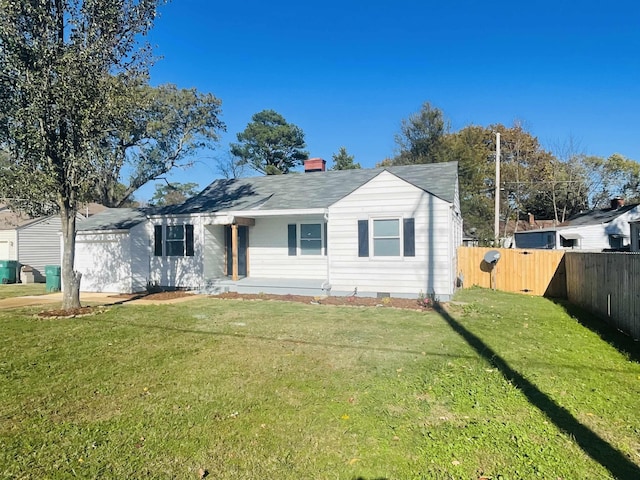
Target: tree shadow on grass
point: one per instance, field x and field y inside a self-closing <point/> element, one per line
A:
<point x="598" y="449"/>
<point x="607" y="332"/>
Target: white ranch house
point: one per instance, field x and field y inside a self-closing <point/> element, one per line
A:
<point x="594" y="230"/>
<point x="378" y="232"/>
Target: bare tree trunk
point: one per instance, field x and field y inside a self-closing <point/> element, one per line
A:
<point x="70" y="278"/>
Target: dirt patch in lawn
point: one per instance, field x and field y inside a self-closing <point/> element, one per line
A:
<point x="120" y="298"/>
<point x="71" y="313"/>
<point x="157" y="296"/>
<point x="353" y="301"/>
<point x="392" y="302"/>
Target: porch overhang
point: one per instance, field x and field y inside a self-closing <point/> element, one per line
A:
<point x="279" y="213"/>
<point x="229" y="220"/>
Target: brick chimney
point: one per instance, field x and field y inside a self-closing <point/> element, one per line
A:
<point x="314" y="165"/>
<point x="532" y="219"/>
<point x="616" y="203"/>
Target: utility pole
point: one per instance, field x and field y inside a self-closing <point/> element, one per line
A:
<point x="496" y="224"/>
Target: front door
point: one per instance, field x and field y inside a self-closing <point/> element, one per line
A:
<point x="243" y="243"/>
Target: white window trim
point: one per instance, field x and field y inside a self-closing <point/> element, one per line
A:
<point x="166" y="241"/>
<point x="372" y="251"/>
<point x="323" y="247"/>
<point x="176" y="241"/>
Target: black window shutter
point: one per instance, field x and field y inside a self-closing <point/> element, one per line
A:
<point x="157" y="240"/>
<point x="409" y="237"/>
<point x="293" y="239"/>
<point x="363" y="238"/>
<point x="188" y="236"/>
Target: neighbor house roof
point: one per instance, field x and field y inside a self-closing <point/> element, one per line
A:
<point x="312" y="190"/>
<point x="10" y="220"/>
<point x="591" y="217"/>
<point x="596" y="217"/>
<point x="114" y="219"/>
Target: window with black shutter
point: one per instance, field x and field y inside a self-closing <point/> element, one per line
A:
<point x="292" y="239"/>
<point x="409" y="233"/>
<point x="157" y="240"/>
<point x="363" y="238"/>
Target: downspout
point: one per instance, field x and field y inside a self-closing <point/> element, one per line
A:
<point x="452" y="250"/>
<point x="326" y="285"/>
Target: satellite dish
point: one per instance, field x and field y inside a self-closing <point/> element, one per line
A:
<point x="492" y="257"/>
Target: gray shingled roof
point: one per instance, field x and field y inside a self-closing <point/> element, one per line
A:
<point x="312" y="190"/>
<point x="596" y="217"/>
<point x="591" y="217"/>
<point x="114" y="219"/>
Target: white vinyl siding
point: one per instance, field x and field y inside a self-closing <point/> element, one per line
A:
<point x="387" y="196"/>
<point x="269" y="252"/>
<point x="105" y="262"/>
<point x="214" y="253"/>
<point x="39" y="245"/>
<point x="115" y="262"/>
<point x="141" y="251"/>
<point x="8" y="242"/>
<point x="179" y="271"/>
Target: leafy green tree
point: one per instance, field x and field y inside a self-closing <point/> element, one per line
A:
<point x="269" y="144"/>
<point x="173" y="193"/>
<point x="58" y="59"/>
<point x="472" y="148"/>
<point x="422" y="137"/>
<point x="154" y="130"/>
<point x="612" y="177"/>
<point x="343" y="161"/>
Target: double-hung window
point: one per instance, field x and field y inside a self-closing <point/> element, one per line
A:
<point x="311" y="239"/>
<point x="386" y="237"/>
<point x="306" y="239"/>
<point x="173" y="240"/>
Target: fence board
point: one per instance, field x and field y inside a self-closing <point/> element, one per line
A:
<point x="607" y="284"/>
<point x="536" y="272"/>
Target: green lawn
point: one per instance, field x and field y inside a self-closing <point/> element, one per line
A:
<point x="21" y="289"/>
<point x="501" y="386"/>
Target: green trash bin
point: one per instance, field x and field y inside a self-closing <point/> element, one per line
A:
<point x="52" y="273"/>
<point x="8" y="271"/>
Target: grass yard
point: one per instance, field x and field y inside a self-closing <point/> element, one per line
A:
<point x="21" y="289"/>
<point x="498" y="386"/>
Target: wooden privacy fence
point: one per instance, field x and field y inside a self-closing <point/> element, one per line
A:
<point x="607" y="284"/>
<point x="536" y="272"/>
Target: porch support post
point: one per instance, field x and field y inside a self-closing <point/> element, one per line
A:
<point x="234" y="252"/>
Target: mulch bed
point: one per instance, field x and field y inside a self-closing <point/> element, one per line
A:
<point x="392" y="302"/>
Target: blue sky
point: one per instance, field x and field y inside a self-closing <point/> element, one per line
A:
<point x="347" y="72"/>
